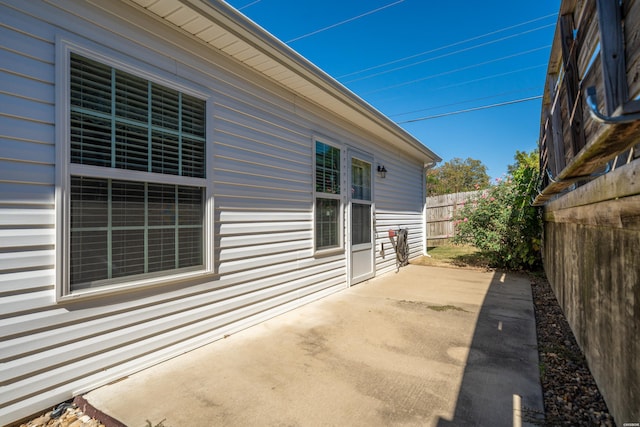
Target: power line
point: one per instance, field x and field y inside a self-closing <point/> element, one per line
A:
<point x="447" y="46"/>
<point x="248" y="5"/>
<point x="468" y="110"/>
<point x="466" y="49"/>
<point x="463" y="102"/>
<point x="343" y="22"/>
<point x="468" y="67"/>
<point x="492" y="76"/>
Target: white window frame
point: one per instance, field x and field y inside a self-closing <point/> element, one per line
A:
<point x="339" y="197"/>
<point x="65" y="169"/>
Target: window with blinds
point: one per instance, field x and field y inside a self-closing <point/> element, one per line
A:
<point x="121" y="121"/>
<point x="327" y="169"/>
<point x="127" y="224"/>
<point x="327" y="197"/>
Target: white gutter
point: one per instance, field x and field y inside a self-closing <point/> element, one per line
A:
<point x="242" y="27"/>
<point x="425" y="226"/>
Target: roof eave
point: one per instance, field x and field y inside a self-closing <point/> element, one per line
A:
<point x="242" y="27"/>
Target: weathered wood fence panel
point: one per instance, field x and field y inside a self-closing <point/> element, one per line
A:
<point x="440" y="214"/>
<point x="590" y="160"/>
<point x="593" y="69"/>
<point x="591" y="252"/>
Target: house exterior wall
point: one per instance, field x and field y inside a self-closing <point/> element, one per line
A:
<point x="261" y="167"/>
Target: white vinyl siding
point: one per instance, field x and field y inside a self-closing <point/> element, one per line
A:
<point x="258" y="204"/>
<point x="399" y="204"/>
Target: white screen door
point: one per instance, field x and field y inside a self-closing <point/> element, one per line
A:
<point x="361" y="218"/>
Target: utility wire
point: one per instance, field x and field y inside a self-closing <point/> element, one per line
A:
<point x="466" y="101"/>
<point x="492" y="76"/>
<point x="468" y="67"/>
<point x="468" y="110"/>
<point x="447" y="46"/>
<point x="343" y="22"/>
<point x="248" y="5"/>
<point x="466" y="49"/>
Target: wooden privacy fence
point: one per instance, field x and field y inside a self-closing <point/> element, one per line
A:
<point x="440" y="214"/>
<point x="590" y="108"/>
<point x="589" y="149"/>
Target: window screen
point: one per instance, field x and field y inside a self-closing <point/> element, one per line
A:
<point x="327" y="197"/>
<point x="120" y="227"/>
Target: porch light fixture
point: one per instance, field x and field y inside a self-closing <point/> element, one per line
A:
<point x="382" y="171"/>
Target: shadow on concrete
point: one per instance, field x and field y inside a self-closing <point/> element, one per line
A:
<point x="427" y="346"/>
<point x="501" y="384"/>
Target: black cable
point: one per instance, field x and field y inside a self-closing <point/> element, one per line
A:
<point x="468" y="110"/>
<point x="466" y="101"/>
<point x="413" y="64"/>
<point x="443" y="47"/>
<point x="493" y="76"/>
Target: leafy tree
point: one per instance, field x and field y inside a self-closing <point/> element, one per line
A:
<point x="502" y="223"/>
<point x="524" y="160"/>
<point x="456" y="176"/>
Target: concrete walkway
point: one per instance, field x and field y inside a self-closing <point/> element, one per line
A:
<point x="427" y="346"/>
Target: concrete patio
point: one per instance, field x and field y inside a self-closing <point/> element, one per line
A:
<point x="427" y="346"/>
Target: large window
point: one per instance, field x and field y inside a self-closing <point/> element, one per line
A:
<point x="328" y="230"/>
<point x="135" y="178"/>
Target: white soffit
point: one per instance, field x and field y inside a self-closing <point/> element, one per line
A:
<point x="194" y="23"/>
<point x="220" y="26"/>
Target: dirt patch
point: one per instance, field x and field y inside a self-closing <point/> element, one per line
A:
<point x="446" y="308"/>
<point x="423" y="305"/>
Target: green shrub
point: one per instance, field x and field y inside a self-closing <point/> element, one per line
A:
<point x="502" y="223"/>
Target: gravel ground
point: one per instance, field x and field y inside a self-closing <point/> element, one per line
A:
<point x="64" y="415"/>
<point x="571" y="396"/>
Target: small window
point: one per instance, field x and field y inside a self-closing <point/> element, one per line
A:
<point x="360" y="180"/>
<point x="135" y="179"/>
<point x="328" y="217"/>
<point x="327" y="169"/>
<point x="327" y="222"/>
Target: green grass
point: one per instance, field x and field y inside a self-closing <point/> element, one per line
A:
<point x="451" y="252"/>
<point x="454" y="256"/>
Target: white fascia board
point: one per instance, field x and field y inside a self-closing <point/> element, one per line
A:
<point x="222" y="14"/>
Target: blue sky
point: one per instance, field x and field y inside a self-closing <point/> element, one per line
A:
<point x="413" y="59"/>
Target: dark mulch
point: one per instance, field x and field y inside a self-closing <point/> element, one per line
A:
<point x="571" y="396"/>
